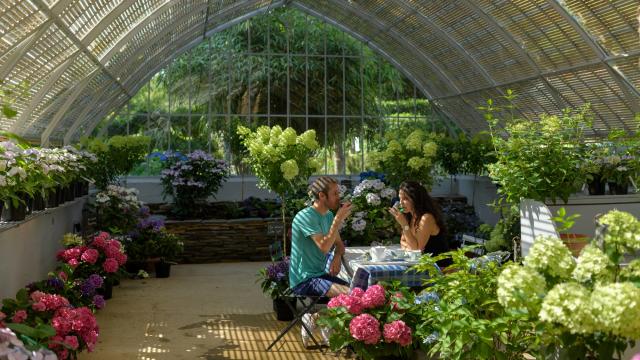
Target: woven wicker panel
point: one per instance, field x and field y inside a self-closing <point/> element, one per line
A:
<point x="488" y="47"/>
<point x="463" y="114"/>
<point x="18" y="20"/>
<point x="134" y="14"/>
<point x="595" y="85"/>
<point x="80" y="68"/>
<point x="630" y="68"/>
<point x="613" y="24"/>
<point x="543" y="32"/>
<point x="80" y="16"/>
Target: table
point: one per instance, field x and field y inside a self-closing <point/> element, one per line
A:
<point x="361" y="272"/>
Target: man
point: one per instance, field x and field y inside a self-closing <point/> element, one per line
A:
<point x="314" y="232"/>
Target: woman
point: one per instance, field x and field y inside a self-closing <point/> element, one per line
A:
<point x="423" y="226"/>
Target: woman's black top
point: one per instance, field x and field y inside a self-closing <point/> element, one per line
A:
<point x="437" y="245"/>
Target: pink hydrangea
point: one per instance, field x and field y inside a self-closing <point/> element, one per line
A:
<point x="357" y="292"/>
<point x="394" y="300"/>
<point x="112" y="250"/>
<point x="373" y="297"/>
<point x="54" y="302"/>
<point x="102" y="236"/>
<point x="39" y="306"/>
<point x="110" y="265"/>
<point x="70" y="254"/>
<point x="73" y="263"/>
<point x="72" y="342"/>
<point x="37" y="295"/>
<point x="121" y="258"/>
<point x="19" y="316"/>
<point x="365" y="328"/>
<point x="352" y="303"/>
<point x="90" y="256"/>
<point x="62" y="275"/>
<point x="397" y="332"/>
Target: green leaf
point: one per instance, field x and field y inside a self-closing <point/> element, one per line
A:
<point x="8" y="111"/>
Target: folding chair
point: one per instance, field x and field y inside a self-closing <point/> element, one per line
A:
<point x="308" y="303"/>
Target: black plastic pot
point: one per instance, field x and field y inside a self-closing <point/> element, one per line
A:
<point x="596" y="186"/>
<point x="163" y="269"/>
<point x="18" y="213"/>
<point x="38" y="202"/>
<point x="618" y="189"/>
<point x="106" y="290"/>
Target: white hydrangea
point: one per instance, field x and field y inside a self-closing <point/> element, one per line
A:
<point x="623" y="229"/>
<point x="373" y="199"/>
<point x="388" y="193"/>
<point x="568" y="304"/>
<point x="549" y="255"/>
<point x="616" y="309"/>
<point x="359" y="225"/>
<point x="593" y="265"/>
<point x="359" y="215"/>
<point x="519" y="287"/>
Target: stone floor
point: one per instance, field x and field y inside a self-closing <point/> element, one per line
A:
<point x="204" y="311"/>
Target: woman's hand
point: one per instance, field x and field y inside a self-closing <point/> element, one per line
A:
<point x="400" y="218"/>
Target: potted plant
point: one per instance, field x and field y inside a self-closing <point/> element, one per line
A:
<point x="376" y="323"/>
<point x="584" y="308"/>
<point x="191" y="180"/>
<point x="116" y="209"/>
<point x="167" y="247"/>
<point x="274" y="282"/>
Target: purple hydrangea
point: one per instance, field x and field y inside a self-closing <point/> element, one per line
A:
<point x="279" y="271"/>
<point x="149" y="223"/>
<point x="87" y="288"/>
<point x="98" y="301"/>
<point x="55" y="283"/>
<point x="95" y="280"/>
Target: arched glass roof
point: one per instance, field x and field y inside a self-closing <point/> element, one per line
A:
<point x="80" y="59"/>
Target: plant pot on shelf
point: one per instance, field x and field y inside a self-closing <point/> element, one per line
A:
<point x="596" y="186"/>
<point x="163" y="269"/>
<point x="38" y="202"/>
<point x="29" y="204"/>
<point x="575" y="242"/>
<point x="17" y="213"/>
<point x="283" y="311"/>
<point x="68" y="193"/>
<point x="133" y="267"/>
<point x="618" y="189"/>
<point x="52" y="198"/>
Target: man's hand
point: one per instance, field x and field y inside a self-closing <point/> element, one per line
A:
<point x="336" y="264"/>
<point x="344" y="211"/>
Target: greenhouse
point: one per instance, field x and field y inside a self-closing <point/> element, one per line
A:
<point x="316" y="179"/>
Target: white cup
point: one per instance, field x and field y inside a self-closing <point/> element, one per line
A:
<point x="414" y="255"/>
<point x="377" y="253"/>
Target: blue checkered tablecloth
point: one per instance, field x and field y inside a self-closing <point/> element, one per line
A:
<point x="360" y="273"/>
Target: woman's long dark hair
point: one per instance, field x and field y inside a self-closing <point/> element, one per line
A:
<point x="422" y="204"/>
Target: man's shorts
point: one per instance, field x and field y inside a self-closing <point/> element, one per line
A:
<point x="318" y="286"/>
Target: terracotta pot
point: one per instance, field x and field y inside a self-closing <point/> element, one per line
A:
<point x="575" y="242"/>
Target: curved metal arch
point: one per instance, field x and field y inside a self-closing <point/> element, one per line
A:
<point x="449" y="39"/>
<point x="175" y="54"/>
<point x="44" y="90"/>
<point x="105" y="22"/>
<point x="139" y="26"/>
<point x="625" y="85"/>
<point x="222" y="14"/>
<point x="44" y="138"/>
<point x="67" y="138"/>
<point x="439" y="72"/>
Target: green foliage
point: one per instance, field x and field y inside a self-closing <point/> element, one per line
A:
<point x="564" y="222"/>
<point x="407" y="156"/>
<point x="537" y="160"/>
<point x="460" y="317"/>
<point x="506" y="230"/>
<point x="116" y="157"/>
